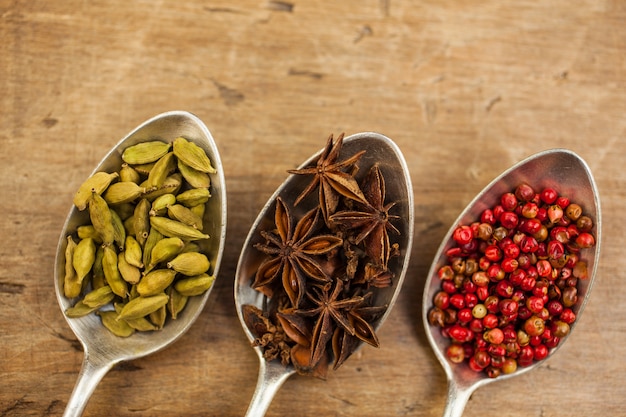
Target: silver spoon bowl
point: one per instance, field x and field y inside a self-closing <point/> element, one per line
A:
<point x="560" y="169"/>
<point x="102" y="349"/>
<point x="379" y="149"/>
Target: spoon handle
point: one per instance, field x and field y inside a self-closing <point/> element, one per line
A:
<point x="456" y="400"/>
<point x="91" y="373"/>
<point x="271" y="376"/>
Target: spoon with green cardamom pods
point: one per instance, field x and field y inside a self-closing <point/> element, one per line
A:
<point x="115" y="316"/>
<point x="557" y="170"/>
<point x="308" y="294"/>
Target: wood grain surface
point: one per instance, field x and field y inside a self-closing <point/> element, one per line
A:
<point x="465" y="88"/>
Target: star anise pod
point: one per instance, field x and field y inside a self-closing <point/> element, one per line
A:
<point x="330" y="178"/>
<point x="269" y="337"/>
<point x="360" y="317"/>
<point x="292" y="253"/>
<point x="330" y="311"/>
<point x="372" y="220"/>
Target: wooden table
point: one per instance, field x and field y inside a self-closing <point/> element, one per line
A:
<point x="466" y="89"/>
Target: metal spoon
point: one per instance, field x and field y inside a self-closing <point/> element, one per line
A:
<point x="102" y="350"/>
<point x="381" y="150"/>
<point x="558" y="168"/>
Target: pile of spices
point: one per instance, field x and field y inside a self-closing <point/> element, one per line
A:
<point x="321" y="270"/>
<point x="136" y="262"/>
<point x="510" y="286"/>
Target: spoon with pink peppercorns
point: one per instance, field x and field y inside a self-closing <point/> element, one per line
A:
<point x="513" y="274"/>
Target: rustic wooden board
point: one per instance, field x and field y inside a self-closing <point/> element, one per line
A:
<point x="466" y="89"/>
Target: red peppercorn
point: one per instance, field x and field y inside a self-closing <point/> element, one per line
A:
<point x="573" y="211"/>
<point x="494" y="336"/>
<point x="471" y="300"/>
<point x="569" y="296"/>
<point x="504" y="289"/>
<point x="457" y="301"/>
<point x="482" y="293"/>
<point x="541" y="352"/>
<point x="534" y="326"/>
<point x="529" y="244"/>
<point x="508" y="307"/>
<point x="459" y="333"/>
<point x="509" y="366"/>
<point x="509" y="264"/>
<point x="508" y="201"/>
<point x="490" y="321"/>
<point x="493" y="253"/>
<point x="548" y="195"/>
<point x="509" y="220"/>
<point x="476" y="325"/>
<point x="524" y="192"/>
<point x="534" y="304"/>
<point x="463" y="235"/>
<point x="544" y="269"/>
<point x="555" y="213"/>
<point x="464" y="315"/>
<point x="530" y="210"/>
<point x="562" y="202"/>
<point x="448" y="286"/>
<point x="555" y="308"/>
<point x="556" y="250"/>
<point x="552" y="342"/>
<point x="568" y="316"/>
<point x="455" y="353"/>
<point x="585" y="240"/>
<point x="441" y="300"/>
<point x="488" y="217"/>
<point x="482" y="359"/>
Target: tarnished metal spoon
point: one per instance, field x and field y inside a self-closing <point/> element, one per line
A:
<point x="102" y="350"/>
<point x="379" y="149"/>
<point x="560" y="169"/>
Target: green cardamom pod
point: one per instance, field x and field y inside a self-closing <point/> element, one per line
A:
<point x="119" y="231"/>
<point x="141" y="220"/>
<point x="158" y="316"/>
<point x="165" y="250"/>
<point x="194" y="285"/>
<point x="155" y="282"/>
<point x="198" y="210"/>
<point x="117" y="327"/>
<point x="176" y="303"/>
<point x="195" y="178"/>
<point x="190" y="263"/>
<point x="112" y="273"/>
<point x="97" y="277"/>
<point x="84" y="257"/>
<point x="142" y="306"/>
<point x="173" y="228"/>
<point x="97" y="183"/>
<point x="153" y="237"/>
<point x="133" y="252"/>
<point x="159" y="205"/>
<point x="145" y="152"/>
<point x="79" y="309"/>
<point x="171" y="185"/>
<point x="141" y="324"/>
<point x="193" y="197"/>
<point x="99" y="297"/>
<point x="100" y="216"/>
<point x="129" y="273"/>
<point x="162" y="168"/>
<point x="86" y="231"/>
<point x="192" y="155"/>
<point x="122" y="192"/>
<point x="184" y="215"/>
<point x="71" y="284"/>
<point x="129" y="174"/>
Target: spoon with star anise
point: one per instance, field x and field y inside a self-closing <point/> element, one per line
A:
<point x="324" y="261"/>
